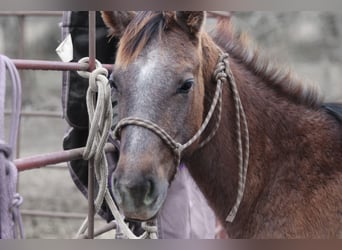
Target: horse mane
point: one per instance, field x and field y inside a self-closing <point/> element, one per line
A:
<point x="148" y="24"/>
<point x="145" y="26"/>
<point x="282" y="79"/>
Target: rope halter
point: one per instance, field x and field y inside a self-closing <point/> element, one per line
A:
<point x="222" y="73"/>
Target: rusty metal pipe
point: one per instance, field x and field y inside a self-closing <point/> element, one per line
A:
<point x="91" y="169"/>
<point x="54" y="214"/>
<point x="53" y="65"/>
<point x="42" y="160"/>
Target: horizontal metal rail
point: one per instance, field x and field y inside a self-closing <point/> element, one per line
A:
<point x="38" y="114"/>
<point x="53" y="65"/>
<point x="42" y="160"/>
<point x="60" y="13"/>
<point x="54" y="214"/>
<point x="31" y="13"/>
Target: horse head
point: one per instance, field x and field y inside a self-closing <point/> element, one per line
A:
<point x="158" y="78"/>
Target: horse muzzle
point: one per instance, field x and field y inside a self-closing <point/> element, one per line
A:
<point x="139" y="197"/>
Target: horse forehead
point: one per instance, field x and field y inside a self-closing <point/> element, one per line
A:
<point x="149" y="78"/>
<point x="148" y="65"/>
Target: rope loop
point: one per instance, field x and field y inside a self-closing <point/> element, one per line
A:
<point x="85" y="61"/>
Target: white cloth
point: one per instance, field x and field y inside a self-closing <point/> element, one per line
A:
<point x="185" y="213"/>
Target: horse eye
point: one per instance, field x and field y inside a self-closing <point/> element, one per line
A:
<point x="112" y="84"/>
<point x="186" y="86"/>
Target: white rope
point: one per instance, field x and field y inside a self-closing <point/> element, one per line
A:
<point x="10" y="200"/>
<point x="243" y="151"/>
<point x="100" y="113"/>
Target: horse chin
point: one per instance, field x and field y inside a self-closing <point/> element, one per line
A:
<point x="145" y="213"/>
<point x="140" y="217"/>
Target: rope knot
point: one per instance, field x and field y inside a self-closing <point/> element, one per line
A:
<point x="220" y="70"/>
<point x="150" y="228"/>
<point x="221" y="76"/>
<point x="178" y="147"/>
<point x="17" y="200"/>
<point x="223" y="56"/>
<point x="96" y="77"/>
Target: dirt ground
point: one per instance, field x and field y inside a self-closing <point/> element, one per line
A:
<point x="309" y="41"/>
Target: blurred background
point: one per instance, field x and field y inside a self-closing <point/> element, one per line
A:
<point x="309" y="42"/>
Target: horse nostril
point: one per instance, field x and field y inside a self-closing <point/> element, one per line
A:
<point x="149" y="197"/>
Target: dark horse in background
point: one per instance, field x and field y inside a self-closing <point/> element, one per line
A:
<point x="164" y="73"/>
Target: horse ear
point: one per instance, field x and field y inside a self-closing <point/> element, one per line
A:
<point x="191" y="21"/>
<point x="117" y="21"/>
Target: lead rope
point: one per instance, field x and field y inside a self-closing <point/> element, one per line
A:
<point x="100" y="113"/>
<point x="10" y="200"/>
<point x="243" y="155"/>
<point x="222" y="73"/>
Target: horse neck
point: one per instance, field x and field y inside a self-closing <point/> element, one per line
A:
<point x="273" y="122"/>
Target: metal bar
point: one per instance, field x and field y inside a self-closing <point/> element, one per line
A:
<point x="91" y="171"/>
<point x="38" y="114"/>
<point x="21" y="53"/>
<point x="52" y="214"/>
<point x="43" y="160"/>
<point x="31" y="13"/>
<point x="25" y="64"/>
<point x="92" y="40"/>
<point x="60" y="13"/>
<point x="106" y="228"/>
<point x="48" y="65"/>
<point x="21" y="20"/>
<point x="53" y="65"/>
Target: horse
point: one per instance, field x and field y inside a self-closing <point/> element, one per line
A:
<point x="263" y="147"/>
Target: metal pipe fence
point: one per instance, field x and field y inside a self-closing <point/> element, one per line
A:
<point x="49" y="159"/>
